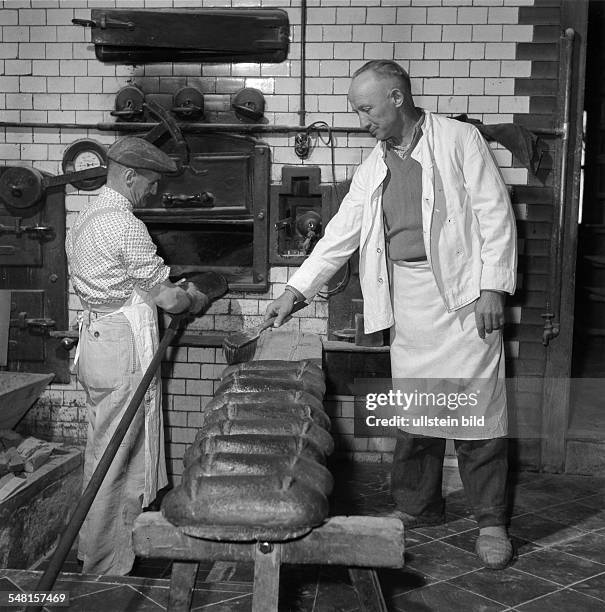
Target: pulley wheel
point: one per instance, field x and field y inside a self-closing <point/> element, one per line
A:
<point x="129" y="104"/>
<point x="188" y="102"/>
<point x="249" y="104"/>
<point x="20" y="186"/>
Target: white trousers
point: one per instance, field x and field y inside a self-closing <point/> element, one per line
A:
<point x="109" y="371"/>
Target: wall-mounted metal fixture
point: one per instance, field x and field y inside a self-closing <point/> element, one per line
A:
<point x="33" y="269"/>
<point x="212" y="213"/>
<point x="136" y="36"/>
<point x="300" y="210"/>
<point x="188" y="103"/>
<point x="302" y="145"/>
<point x="129" y="104"/>
<point x="249" y="105"/>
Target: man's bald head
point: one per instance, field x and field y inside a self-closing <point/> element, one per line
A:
<point x="387" y="70"/>
<point x="380" y="95"/>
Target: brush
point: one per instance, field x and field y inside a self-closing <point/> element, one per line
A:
<point x="241" y="346"/>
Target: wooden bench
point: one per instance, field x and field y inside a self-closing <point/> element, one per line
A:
<point x="360" y="543"/>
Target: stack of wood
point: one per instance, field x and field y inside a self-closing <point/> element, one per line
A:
<point x="257" y="467"/>
<point x="19" y="456"/>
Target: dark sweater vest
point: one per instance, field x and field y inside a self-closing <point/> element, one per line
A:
<point x="402" y="207"/>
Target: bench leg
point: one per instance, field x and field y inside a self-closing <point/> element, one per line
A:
<point x="267" y="561"/>
<point x="365" y="582"/>
<point x="182" y="583"/>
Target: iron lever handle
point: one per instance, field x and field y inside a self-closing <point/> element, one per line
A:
<point x="186" y="109"/>
<point x="22" y="322"/>
<point x="105" y="24"/>
<point x="204" y="199"/>
<point x="18" y="229"/>
<point x="246" y="111"/>
<point x="127" y="112"/>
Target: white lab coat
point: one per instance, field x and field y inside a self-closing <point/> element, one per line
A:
<point x="467" y="218"/>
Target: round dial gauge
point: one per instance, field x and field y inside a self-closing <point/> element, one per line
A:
<point x="87" y="159"/>
<point x="83" y="155"/>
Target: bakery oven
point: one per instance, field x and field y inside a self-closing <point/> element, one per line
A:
<point x="212" y="214"/>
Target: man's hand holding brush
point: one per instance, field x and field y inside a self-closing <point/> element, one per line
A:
<point x="283" y="306"/>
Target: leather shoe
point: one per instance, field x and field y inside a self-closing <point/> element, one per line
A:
<point x="412" y="521"/>
<point x="496" y="552"/>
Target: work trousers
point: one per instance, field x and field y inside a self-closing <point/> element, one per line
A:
<point x="109" y="371"/>
<point x="417" y="473"/>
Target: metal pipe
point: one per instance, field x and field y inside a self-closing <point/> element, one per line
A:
<point x="184" y="127"/>
<point x="77" y="518"/>
<point x="303" y="71"/>
<point x="552" y="324"/>
<point x="201" y="128"/>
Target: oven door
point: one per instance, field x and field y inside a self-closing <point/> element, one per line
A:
<point x="212" y="213"/>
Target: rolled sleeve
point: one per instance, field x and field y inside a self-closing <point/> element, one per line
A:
<point x="141" y="260"/>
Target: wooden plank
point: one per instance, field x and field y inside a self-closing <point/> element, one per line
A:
<point x="222" y="571"/>
<point x="366" y="585"/>
<point x="363" y="541"/>
<point x="275" y="344"/>
<point x="182" y="582"/>
<point x="18" y="391"/>
<point x="350" y="347"/>
<point x="557" y="395"/>
<point x="265" y="595"/>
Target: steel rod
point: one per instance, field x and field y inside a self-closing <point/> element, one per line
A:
<point x="302" y="111"/>
<point x="553" y="301"/>
<point x="49" y="577"/>
<point x="236" y="128"/>
<point x="193" y="127"/>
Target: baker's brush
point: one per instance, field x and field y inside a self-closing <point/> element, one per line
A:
<point x="240" y="346"/>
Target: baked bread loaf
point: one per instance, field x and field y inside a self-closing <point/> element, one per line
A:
<point x="256" y="467"/>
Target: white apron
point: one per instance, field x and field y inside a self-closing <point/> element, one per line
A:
<point x="454" y="379"/>
<point x="141" y="313"/>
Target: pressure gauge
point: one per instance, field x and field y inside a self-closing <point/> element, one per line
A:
<point x="83" y="155"/>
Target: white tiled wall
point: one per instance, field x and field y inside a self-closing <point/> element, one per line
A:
<point x="460" y="55"/>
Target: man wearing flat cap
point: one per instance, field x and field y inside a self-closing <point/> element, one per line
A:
<point x="120" y="281"/>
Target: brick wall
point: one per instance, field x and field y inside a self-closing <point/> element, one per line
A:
<point x="461" y="54"/>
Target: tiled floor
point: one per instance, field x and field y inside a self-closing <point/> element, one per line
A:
<point x="558" y="528"/>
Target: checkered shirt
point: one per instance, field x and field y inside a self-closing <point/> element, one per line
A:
<point x="110" y="252"/>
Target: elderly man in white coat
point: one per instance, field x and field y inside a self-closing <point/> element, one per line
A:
<point x="431" y="216"/>
<point x="120" y="281"/>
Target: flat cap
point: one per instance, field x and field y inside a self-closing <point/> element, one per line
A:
<point x="136" y="152"/>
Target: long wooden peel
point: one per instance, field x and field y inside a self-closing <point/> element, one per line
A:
<point x="241" y="346"/>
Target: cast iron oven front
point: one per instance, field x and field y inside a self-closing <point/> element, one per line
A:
<point x="212" y="213"/>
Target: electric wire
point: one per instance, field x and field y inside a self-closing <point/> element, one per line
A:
<point x="317" y="127"/>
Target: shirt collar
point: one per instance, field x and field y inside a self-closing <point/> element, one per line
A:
<point x="109" y="197"/>
<point x="416" y="135"/>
